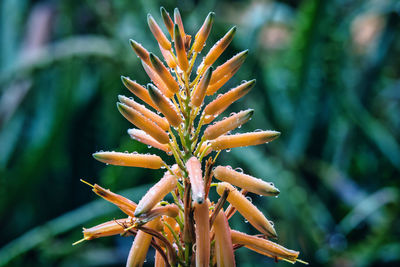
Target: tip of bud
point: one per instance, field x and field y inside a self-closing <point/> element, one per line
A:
<point x="133" y="43"/>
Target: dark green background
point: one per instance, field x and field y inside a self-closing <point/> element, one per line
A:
<point x="328" y="78"/>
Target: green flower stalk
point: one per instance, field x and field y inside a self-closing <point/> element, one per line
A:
<point x="193" y="230"/>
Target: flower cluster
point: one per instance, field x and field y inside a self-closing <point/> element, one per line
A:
<point x="192" y="230"/>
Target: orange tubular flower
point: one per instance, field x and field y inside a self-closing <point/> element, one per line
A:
<point x="158" y="34"/>
<point x="219" y="47"/>
<point x="130" y="159"/>
<point x="164" y="74"/>
<point x="202" y="34"/>
<point x="229" y="66"/>
<point x="177" y="216"/>
<point x="143" y="123"/>
<point x="264" y="246"/>
<point x="202" y="234"/>
<point x="144" y="138"/>
<point x="138" y="91"/>
<point x="162" y="122"/>
<point x="180" y="49"/>
<point x="115" y="227"/>
<point x="166" y="107"/>
<point x="228" y="124"/>
<point x="156" y="193"/>
<point x="246" y="139"/>
<point x="138" y="252"/>
<point x="217" y="106"/>
<point x="200" y="91"/>
<point x="223" y="242"/>
<point x="250" y="183"/>
<point x="193" y="167"/>
<point x="140" y="51"/>
<point x="247" y="209"/>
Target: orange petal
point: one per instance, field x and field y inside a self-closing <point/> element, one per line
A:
<point x="223" y="242"/>
<point x="250" y="183"/>
<point x="264" y="246"/>
<point x="158" y="34"/>
<point x="138" y="91"/>
<point x="164" y="74"/>
<point x="228" y="124"/>
<point x="247" y="209"/>
<point x="180" y="49"/>
<point x="143" y="123"/>
<point x="156" y="193"/>
<point x="219" y="47"/>
<point x="201" y="218"/>
<point x="130" y="159"/>
<point x="202" y="34"/>
<point x="222" y="102"/>
<point x="170" y="210"/>
<point x="166" y="107"/>
<point x="193" y="167"/>
<point x="160" y="121"/>
<point x="200" y="90"/>
<point x="146" y="139"/>
<point x="246" y="139"/>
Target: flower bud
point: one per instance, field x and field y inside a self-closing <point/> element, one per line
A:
<point x="138" y="91"/>
<point x="160" y="121"/>
<point x="179" y="22"/>
<point x="157" y="80"/>
<point x="219" y="47"/>
<point x="225" y="69"/>
<point x="202" y="34"/>
<point x="130" y="159"/>
<point x="193" y="167"/>
<point x="200" y="90"/>
<point x="212" y="88"/>
<point x="217" y="106"/>
<point x="158" y="34"/>
<point x="168" y="57"/>
<point x="171" y="210"/>
<point x="140" y="51"/>
<point x="167" y="21"/>
<point x="246" y="139"/>
<point x="146" y="139"/>
<point x="166" y="107"/>
<point x="156" y="193"/>
<point x="247" y="209"/>
<point x="245" y="181"/>
<point x="143" y="123"/>
<point x="164" y="74"/>
<point x="228" y="124"/>
<point x="180" y="49"/>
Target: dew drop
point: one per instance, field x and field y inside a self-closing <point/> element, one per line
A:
<point x="149" y="146"/>
<point x="258" y="130"/>
<point x="246" y="221"/>
<point x="239" y="170"/>
<point x="228" y="150"/>
<point x="249" y="199"/>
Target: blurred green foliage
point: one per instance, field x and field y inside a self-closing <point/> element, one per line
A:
<point x="328" y="78"/>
